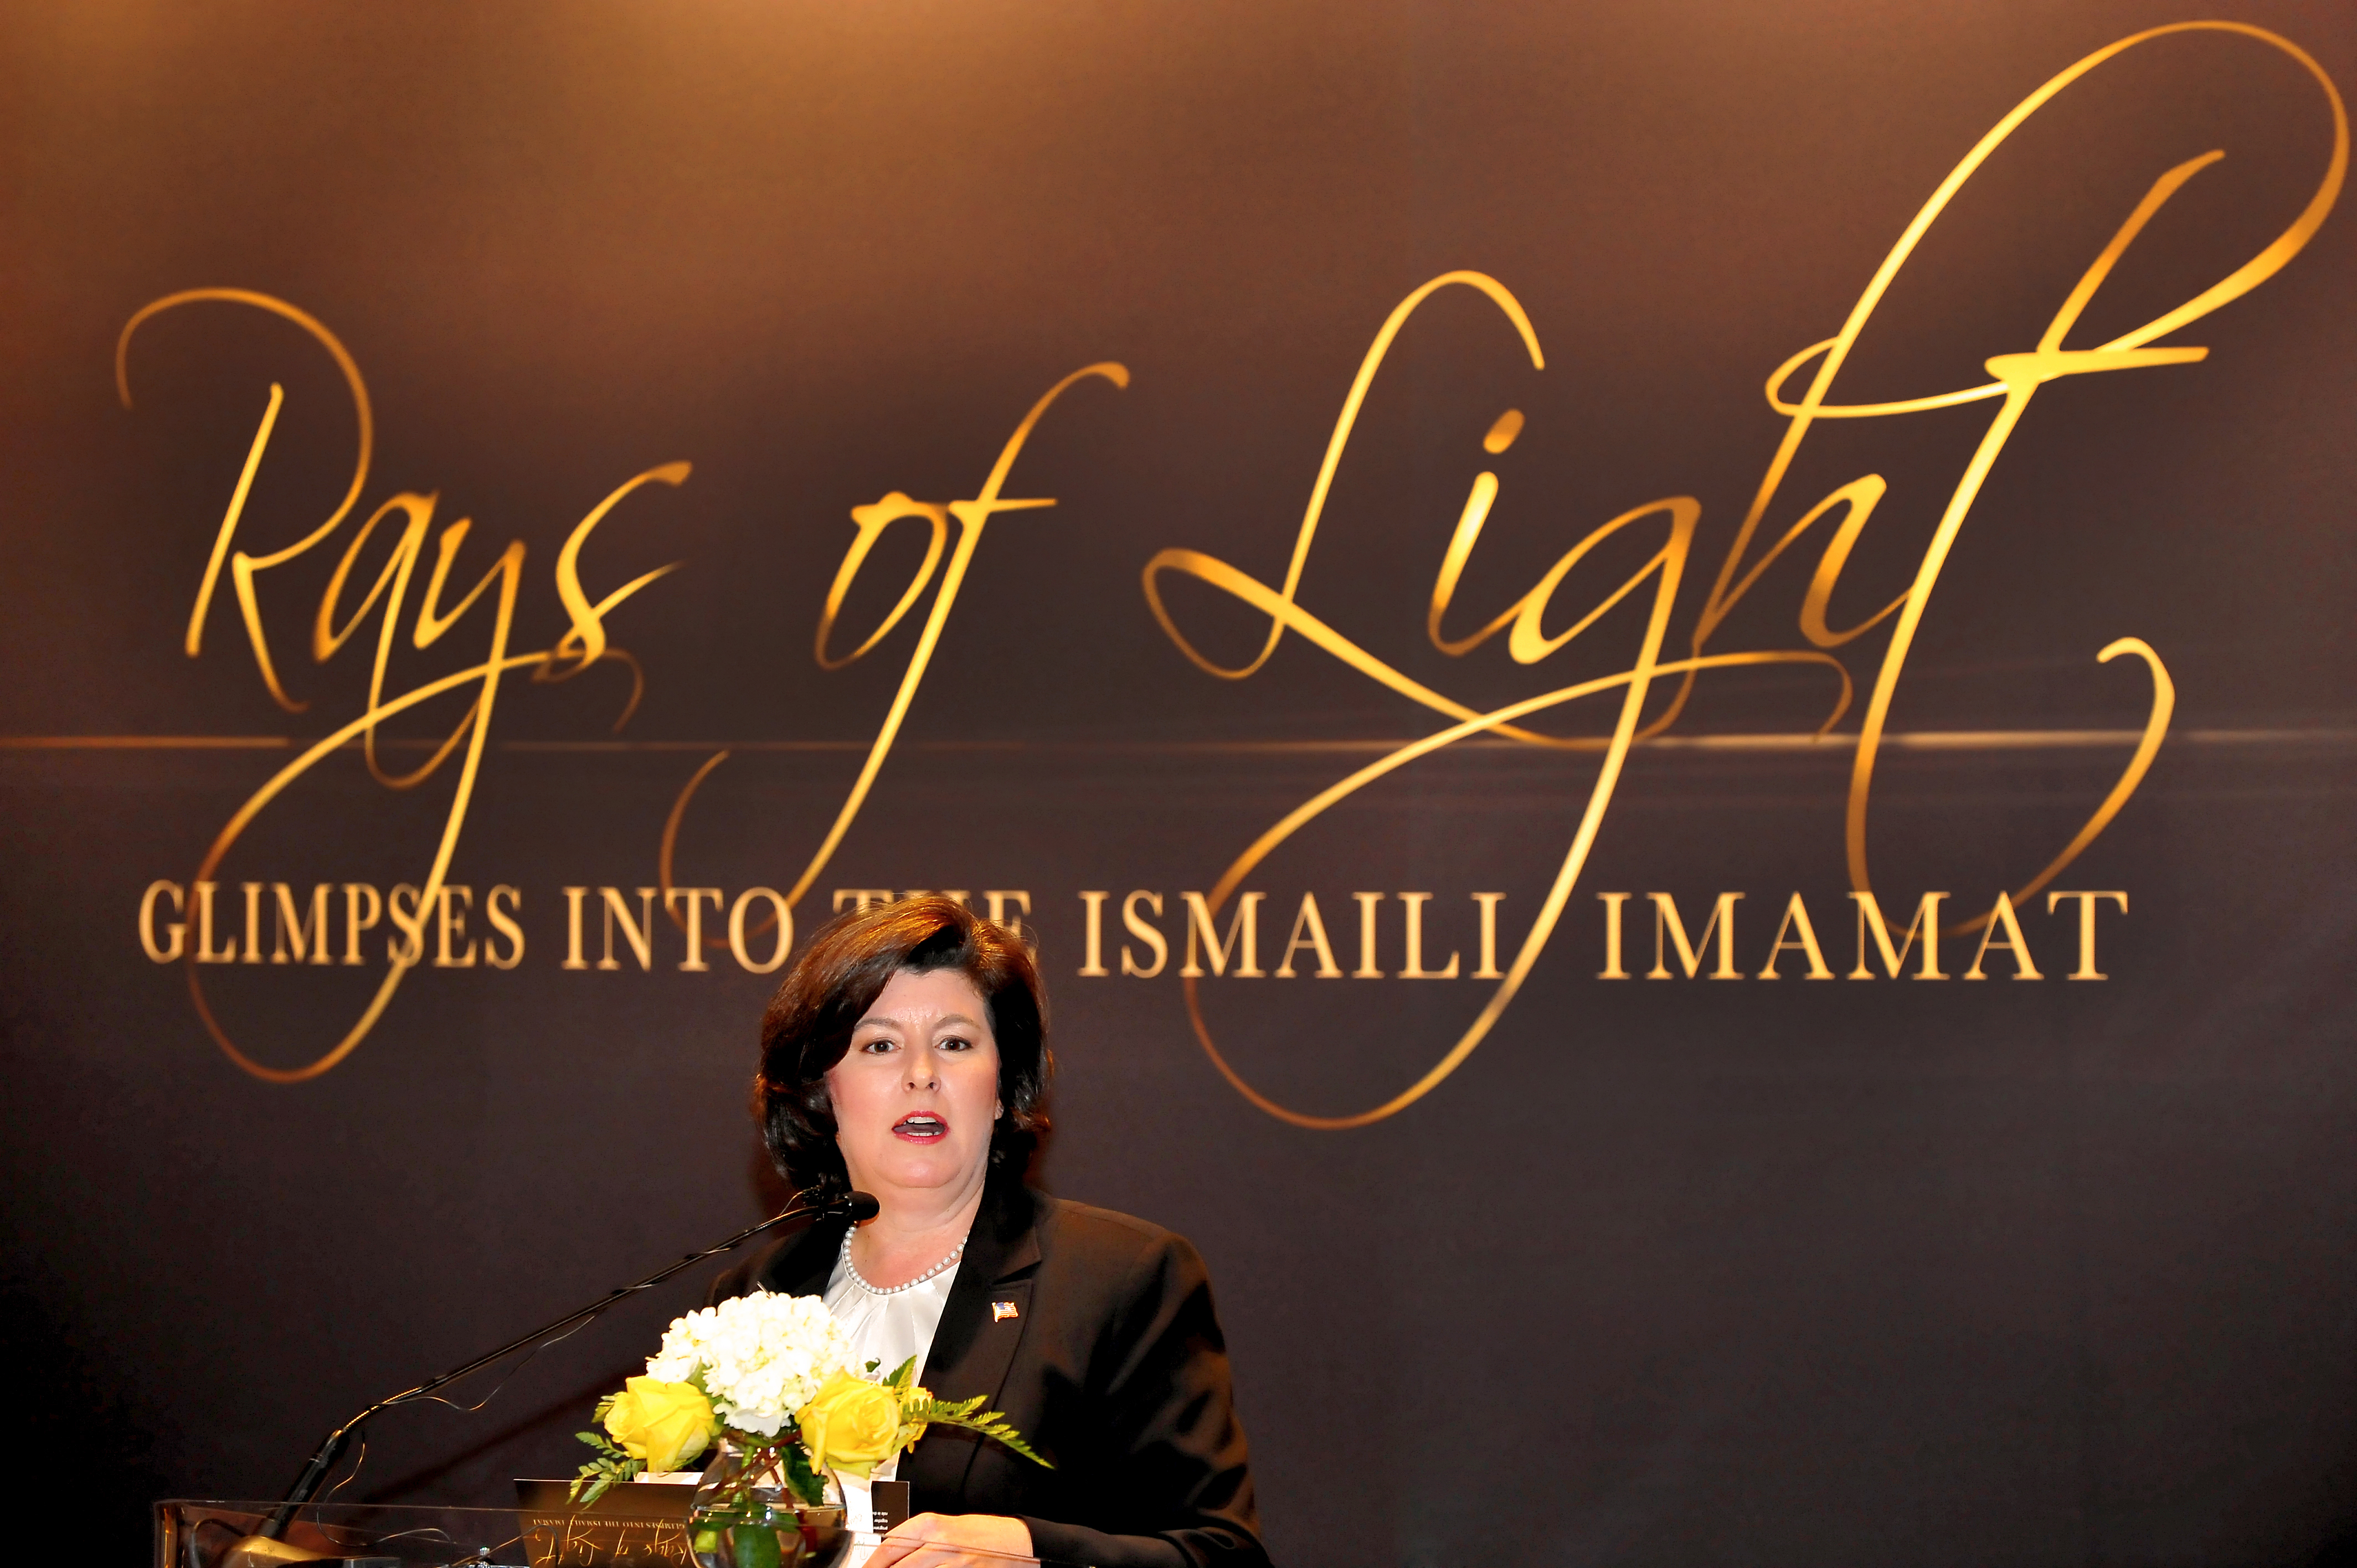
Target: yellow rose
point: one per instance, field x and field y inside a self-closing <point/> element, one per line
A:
<point x="662" y="1425"/>
<point x="851" y="1424"/>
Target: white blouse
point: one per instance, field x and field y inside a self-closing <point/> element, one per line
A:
<point x="885" y="1326"/>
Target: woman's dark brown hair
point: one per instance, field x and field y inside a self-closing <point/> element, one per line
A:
<point x="807" y="1028"/>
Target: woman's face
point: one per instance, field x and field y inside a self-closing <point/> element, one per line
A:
<point x="917" y="1092"/>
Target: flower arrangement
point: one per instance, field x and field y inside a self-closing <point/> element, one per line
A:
<point x="770" y="1373"/>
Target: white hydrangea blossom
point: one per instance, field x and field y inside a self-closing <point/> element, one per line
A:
<point x="763" y="1355"/>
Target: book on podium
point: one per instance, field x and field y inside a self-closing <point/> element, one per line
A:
<point x="630" y="1527"/>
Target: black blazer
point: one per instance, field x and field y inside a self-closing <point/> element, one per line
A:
<point x="1095" y="1333"/>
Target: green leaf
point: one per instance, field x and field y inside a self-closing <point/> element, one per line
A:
<point x="807" y="1484"/>
<point x="954" y="1413"/>
<point x="757" y="1546"/>
<point x="599" y="1473"/>
<point x="902" y="1376"/>
<point x="991" y="1424"/>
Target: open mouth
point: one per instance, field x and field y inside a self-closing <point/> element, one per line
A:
<point x="921" y="1127"/>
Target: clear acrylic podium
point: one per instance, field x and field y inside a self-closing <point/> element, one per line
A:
<point x="194" y="1533"/>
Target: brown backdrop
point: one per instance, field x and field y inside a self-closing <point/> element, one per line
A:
<point x="1666" y="1270"/>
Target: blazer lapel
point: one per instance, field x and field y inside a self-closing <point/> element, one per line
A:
<point x="800" y="1265"/>
<point x="976" y="1340"/>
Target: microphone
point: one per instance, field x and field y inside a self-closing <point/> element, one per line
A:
<point x="265" y="1547"/>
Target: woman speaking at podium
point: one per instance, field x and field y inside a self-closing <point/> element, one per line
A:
<point x="906" y="1056"/>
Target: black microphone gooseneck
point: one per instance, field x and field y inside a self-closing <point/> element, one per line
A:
<point x="856" y="1207"/>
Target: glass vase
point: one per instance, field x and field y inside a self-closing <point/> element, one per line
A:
<point x="745" y="1516"/>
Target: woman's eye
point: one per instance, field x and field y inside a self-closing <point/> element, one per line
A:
<point x="875" y="1047"/>
<point x="954" y="1044"/>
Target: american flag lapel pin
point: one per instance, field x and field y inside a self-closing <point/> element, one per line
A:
<point x="1000" y="1311"/>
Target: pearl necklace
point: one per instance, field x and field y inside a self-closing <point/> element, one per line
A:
<point x="852" y="1269"/>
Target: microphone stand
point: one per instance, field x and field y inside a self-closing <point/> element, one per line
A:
<point x="857" y="1206"/>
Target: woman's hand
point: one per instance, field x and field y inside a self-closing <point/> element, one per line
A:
<point x="942" y="1539"/>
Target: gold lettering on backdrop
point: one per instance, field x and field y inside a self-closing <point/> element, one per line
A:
<point x="1795" y="934"/>
<point x="584" y="644"/>
<point x="205" y="953"/>
<point x="1488" y="903"/>
<point x="1368" y="968"/>
<point x="177" y="930"/>
<point x="2086" y="969"/>
<point x="303" y="929"/>
<point x="503" y="921"/>
<point x="1722" y="920"/>
<point x="1000" y="900"/>
<point x="252" y="891"/>
<point x="1240" y="944"/>
<point x="1309" y="931"/>
<point x="1926" y="925"/>
<point x="306" y="935"/>
<point x="2016" y="379"/>
<point x="868" y="524"/>
<point x="573" y="959"/>
<point x="450" y="926"/>
<point x="782" y="918"/>
<point x="1092" y="941"/>
<point x="694" y="898"/>
<point x="1413" y="968"/>
<point x="1612" y="905"/>
<point x="354" y="921"/>
<point x="374" y="576"/>
<point x="406" y="904"/>
<point x="1242" y="938"/>
<point x="2001" y="918"/>
<point x="638" y="933"/>
<point x="1151" y="935"/>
